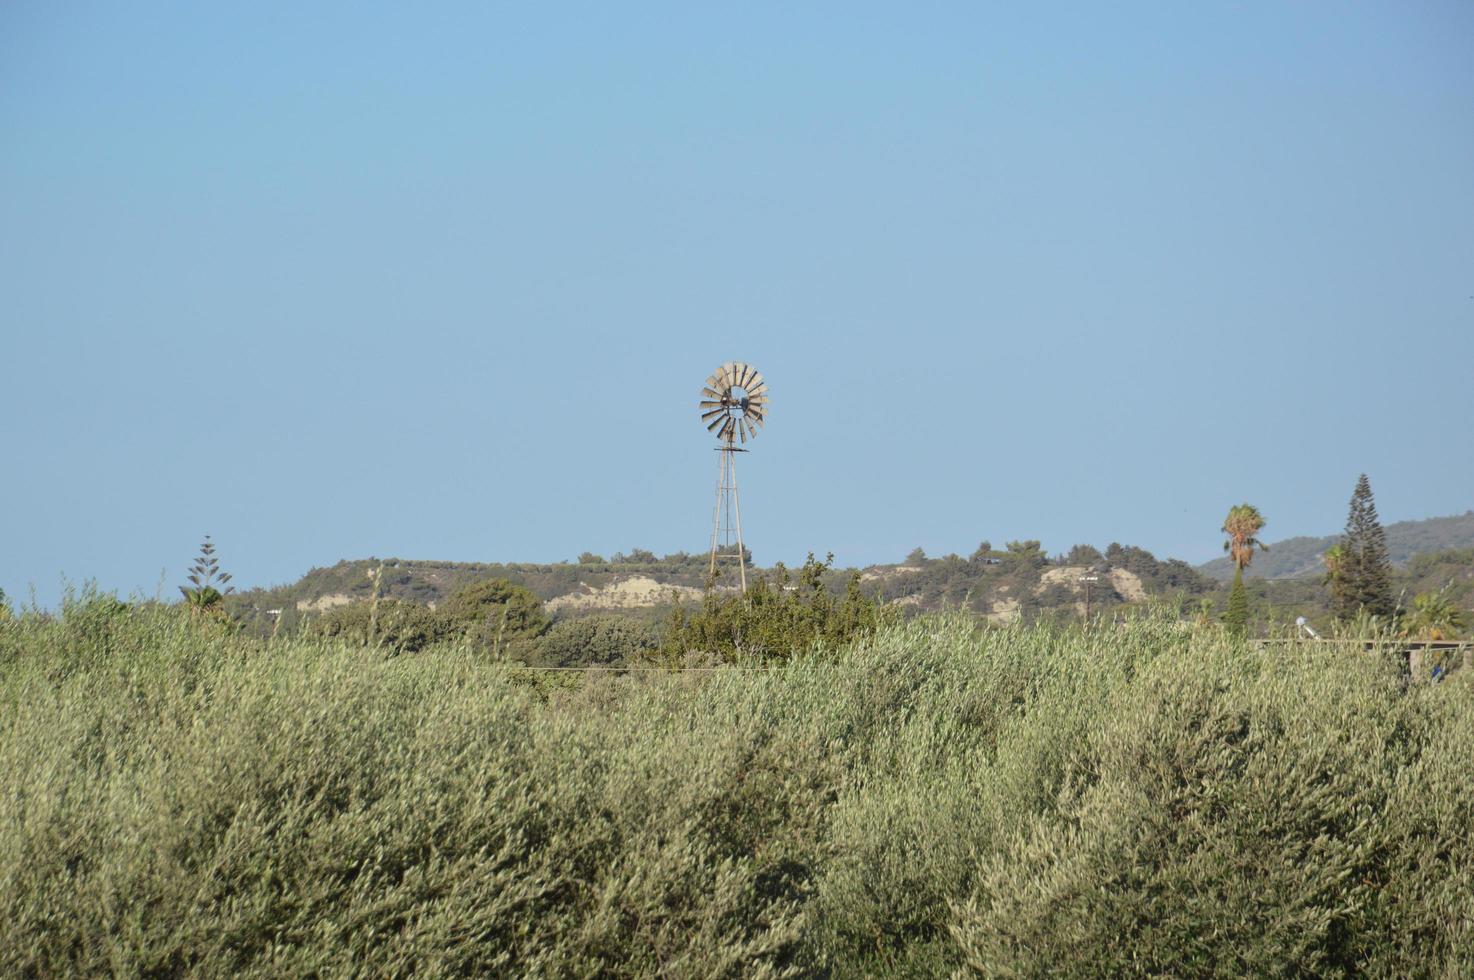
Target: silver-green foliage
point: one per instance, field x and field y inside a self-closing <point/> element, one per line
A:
<point x="600" y="640"/>
<point x="941" y="798"/>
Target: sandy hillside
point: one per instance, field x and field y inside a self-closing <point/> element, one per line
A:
<point x="324" y="603"/>
<point x="627" y="593"/>
<point x="1128" y="584"/>
<point x="882" y="571"/>
<point x="1004" y="611"/>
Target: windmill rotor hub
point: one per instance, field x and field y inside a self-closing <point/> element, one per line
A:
<point x="734" y="402"/>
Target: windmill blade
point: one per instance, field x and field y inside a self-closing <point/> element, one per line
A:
<point x="719" y="405"/>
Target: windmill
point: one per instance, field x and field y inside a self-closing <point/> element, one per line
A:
<point x="734" y="405"/>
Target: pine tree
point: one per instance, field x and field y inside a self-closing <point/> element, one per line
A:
<point x="1363" y="576"/>
<point x="207" y="589"/>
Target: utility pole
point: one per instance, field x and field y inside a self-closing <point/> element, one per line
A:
<point x="1087" y="578"/>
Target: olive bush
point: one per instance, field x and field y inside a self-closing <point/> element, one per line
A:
<point x="935" y="798"/>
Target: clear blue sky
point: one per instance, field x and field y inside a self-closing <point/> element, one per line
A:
<point x="443" y="281"/>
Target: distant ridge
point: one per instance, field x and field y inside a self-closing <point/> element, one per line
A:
<point x="1300" y="557"/>
<point x="1021" y="582"/>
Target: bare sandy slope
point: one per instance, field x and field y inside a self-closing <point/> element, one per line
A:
<point x="324" y="603"/>
<point x="629" y="593"/>
<point x="1004" y="610"/>
<point x="1127" y="584"/>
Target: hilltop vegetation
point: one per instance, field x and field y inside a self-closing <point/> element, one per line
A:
<point x="190" y="799"/>
<point x="779" y="614"/>
<point x="1016" y="582"/>
<point x="1016" y="578"/>
<point x="432" y="582"/>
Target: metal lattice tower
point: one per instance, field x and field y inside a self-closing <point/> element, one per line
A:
<point x="734" y="406"/>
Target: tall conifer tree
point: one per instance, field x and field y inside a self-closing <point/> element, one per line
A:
<point x="1236" y="617"/>
<point x="1363" y="577"/>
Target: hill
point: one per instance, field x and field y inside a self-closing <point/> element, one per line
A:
<point x="637" y="581"/>
<point x="1019" y="582"/>
<point x="1300" y="557"/>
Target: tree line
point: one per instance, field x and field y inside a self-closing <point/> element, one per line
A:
<point x="1358" y="574"/>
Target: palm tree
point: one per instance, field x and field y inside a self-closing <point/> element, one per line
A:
<point x="1242" y="525"/>
<point x="1434" y="617"/>
<point x="1334" y="559"/>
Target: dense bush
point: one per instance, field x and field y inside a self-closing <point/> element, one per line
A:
<point x="493" y="615"/>
<point x="403" y="627"/>
<point x="938" y="798"/>
<point x="595" y="641"/>
<point x="497" y="616"/>
<point x="777" y="616"/>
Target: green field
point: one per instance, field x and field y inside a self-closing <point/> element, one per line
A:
<point x="177" y="798"/>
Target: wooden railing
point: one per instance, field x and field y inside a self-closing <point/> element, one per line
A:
<point x="1449" y="654"/>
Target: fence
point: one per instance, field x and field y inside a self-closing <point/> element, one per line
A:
<point x="1423" y="659"/>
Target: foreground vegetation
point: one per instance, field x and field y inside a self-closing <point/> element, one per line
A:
<point x="177" y="797"/>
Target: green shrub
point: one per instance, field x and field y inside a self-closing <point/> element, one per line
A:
<point x="401" y="627"/>
<point x="776" y="618"/>
<point x="594" y="641"/>
<point x="933" y="799"/>
<point x="1236" y="818"/>
<point x="497" y="616"/>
